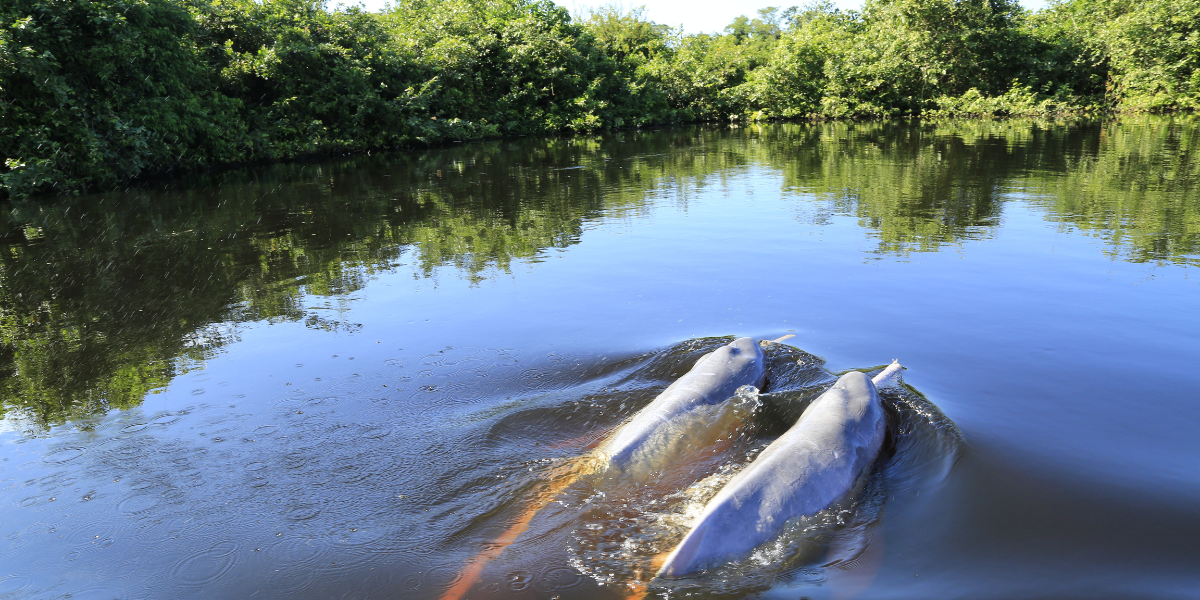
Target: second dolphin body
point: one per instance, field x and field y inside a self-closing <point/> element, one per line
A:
<point x="809" y="467"/>
<point x="688" y="416"/>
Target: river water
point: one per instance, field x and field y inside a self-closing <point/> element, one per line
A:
<point x="348" y="379"/>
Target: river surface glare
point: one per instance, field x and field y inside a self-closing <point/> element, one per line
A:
<point x="348" y="378"/>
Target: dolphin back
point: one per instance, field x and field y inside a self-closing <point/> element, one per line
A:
<point x="714" y="378"/>
<point x="812" y="465"/>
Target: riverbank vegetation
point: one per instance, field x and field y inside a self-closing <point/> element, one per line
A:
<point x="94" y="94"/>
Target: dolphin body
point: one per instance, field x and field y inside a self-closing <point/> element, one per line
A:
<point x="682" y="422"/>
<point x="689" y="414"/>
<point x="812" y="465"/>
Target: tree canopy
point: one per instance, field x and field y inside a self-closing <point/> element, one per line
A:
<point x="95" y="93"/>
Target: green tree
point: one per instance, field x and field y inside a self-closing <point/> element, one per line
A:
<point x="1154" y="50"/>
<point x="793" y="82"/>
<point x="93" y="93"/>
<point x="766" y="27"/>
<point x="625" y="35"/>
<point x="906" y="53"/>
<point x="309" y="80"/>
<point x="521" y="65"/>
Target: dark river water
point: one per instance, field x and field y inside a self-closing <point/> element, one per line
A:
<point x="350" y="379"/>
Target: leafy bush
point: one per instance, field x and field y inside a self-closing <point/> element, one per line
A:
<point x="96" y="93"/>
<point x="1020" y="100"/>
<point x="793" y="83"/>
<point x="1154" y="50"/>
<point x="521" y="65"/>
<point x="308" y="80"/>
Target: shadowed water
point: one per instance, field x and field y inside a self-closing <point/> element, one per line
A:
<point x="344" y="379"/>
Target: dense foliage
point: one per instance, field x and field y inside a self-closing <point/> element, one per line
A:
<point x="95" y="93"/>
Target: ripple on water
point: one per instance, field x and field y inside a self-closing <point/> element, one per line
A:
<point x="154" y="536"/>
<point x="65" y="454"/>
<point x="141" y="485"/>
<point x="15" y="586"/>
<point x="307" y="422"/>
<point x="94" y="534"/>
<point x="167" y="419"/>
<point x="140" y="568"/>
<point x="352" y="472"/>
<point x="297" y="564"/>
<point x="532" y="378"/>
<point x="257" y="481"/>
<point x="135" y="427"/>
<point x="401" y="533"/>
<point x="287" y="404"/>
<point x="558" y="578"/>
<point x="433" y="448"/>
<point x="296" y="551"/>
<point x="375" y="432"/>
<point x="381" y="583"/>
<point x="504" y="359"/>
<point x="297" y="459"/>
<point x="322" y="401"/>
<point x="55" y="480"/>
<point x="190" y="478"/>
<point x="435" y="360"/>
<point x="361" y="591"/>
<point x="15" y="542"/>
<point x="136" y="504"/>
<point x="206" y="566"/>
<point x="411" y="583"/>
<point x="265" y="430"/>
<point x="302" y="512"/>
<point x="518" y="581"/>
<point x="441" y="577"/>
<point x="129" y="449"/>
<point x="96" y="590"/>
<point x="373" y="540"/>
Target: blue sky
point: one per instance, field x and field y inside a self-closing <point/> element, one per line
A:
<point x="696" y="15"/>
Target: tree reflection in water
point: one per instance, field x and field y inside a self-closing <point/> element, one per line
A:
<point x="105" y="298"/>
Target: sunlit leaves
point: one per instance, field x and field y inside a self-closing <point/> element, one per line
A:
<point x="94" y="94"/>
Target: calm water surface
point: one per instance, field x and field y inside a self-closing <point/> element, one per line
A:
<point x="346" y="379"/>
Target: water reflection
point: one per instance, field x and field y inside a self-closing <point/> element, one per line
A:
<point x="106" y="298"/>
<point x="1133" y="183"/>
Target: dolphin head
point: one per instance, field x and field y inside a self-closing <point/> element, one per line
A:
<point x="735" y="364"/>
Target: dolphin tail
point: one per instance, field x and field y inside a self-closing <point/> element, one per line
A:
<point x="889" y="375"/>
<point x="779" y="339"/>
